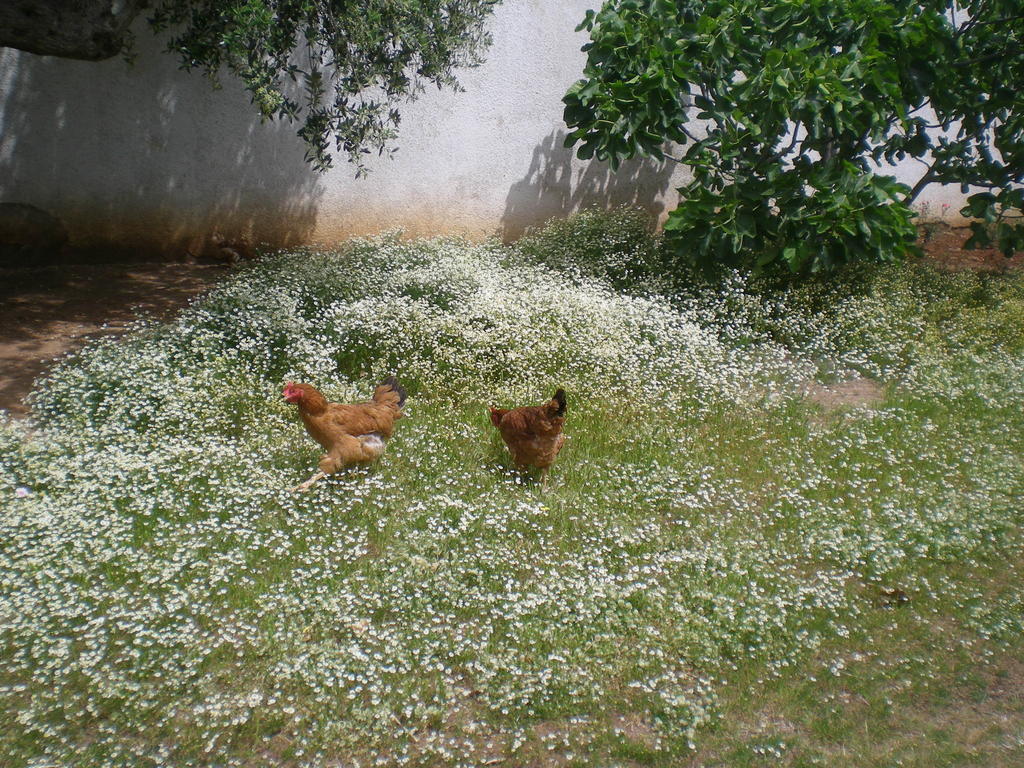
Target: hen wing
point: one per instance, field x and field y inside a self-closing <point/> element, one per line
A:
<point x="362" y="418"/>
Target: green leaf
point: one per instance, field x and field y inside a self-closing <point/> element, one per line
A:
<point x="855" y="76"/>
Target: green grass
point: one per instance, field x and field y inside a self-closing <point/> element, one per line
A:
<point x="709" y="578"/>
<point x="918" y="682"/>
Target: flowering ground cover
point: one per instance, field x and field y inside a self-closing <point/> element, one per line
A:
<point x="709" y="527"/>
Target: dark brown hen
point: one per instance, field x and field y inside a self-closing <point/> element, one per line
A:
<point x="533" y="433"/>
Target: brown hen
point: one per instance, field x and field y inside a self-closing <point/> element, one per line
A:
<point x="350" y="434"/>
<point x="533" y="434"/>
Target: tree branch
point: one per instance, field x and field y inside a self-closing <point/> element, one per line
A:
<point x="971" y="23"/>
<point x="924" y="181"/>
<point x="1007" y="52"/>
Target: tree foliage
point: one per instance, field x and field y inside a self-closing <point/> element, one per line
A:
<point x="338" y="68"/>
<point x="788" y="111"/>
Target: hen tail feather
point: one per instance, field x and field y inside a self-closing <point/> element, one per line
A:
<point x="559" y="400"/>
<point x="391" y="392"/>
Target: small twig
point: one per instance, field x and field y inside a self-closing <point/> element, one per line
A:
<point x="796" y="133"/>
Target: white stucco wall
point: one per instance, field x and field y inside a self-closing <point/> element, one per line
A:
<point x="149" y="157"/>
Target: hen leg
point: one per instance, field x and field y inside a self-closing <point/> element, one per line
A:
<point x="346" y="450"/>
<point x="317" y="477"/>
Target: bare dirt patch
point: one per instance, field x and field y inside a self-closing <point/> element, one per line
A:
<point x="48" y="312"/>
<point x="943" y="245"/>
<point x="855" y="392"/>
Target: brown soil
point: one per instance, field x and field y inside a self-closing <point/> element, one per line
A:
<point x="944" y="246"/>
<point x="47" y="312"/>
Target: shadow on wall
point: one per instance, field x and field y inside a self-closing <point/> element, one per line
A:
<point x="556" y="186"/>
<point x="146" y="162"/>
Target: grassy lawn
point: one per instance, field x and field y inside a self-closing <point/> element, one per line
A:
<point x="727" y="568"/>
